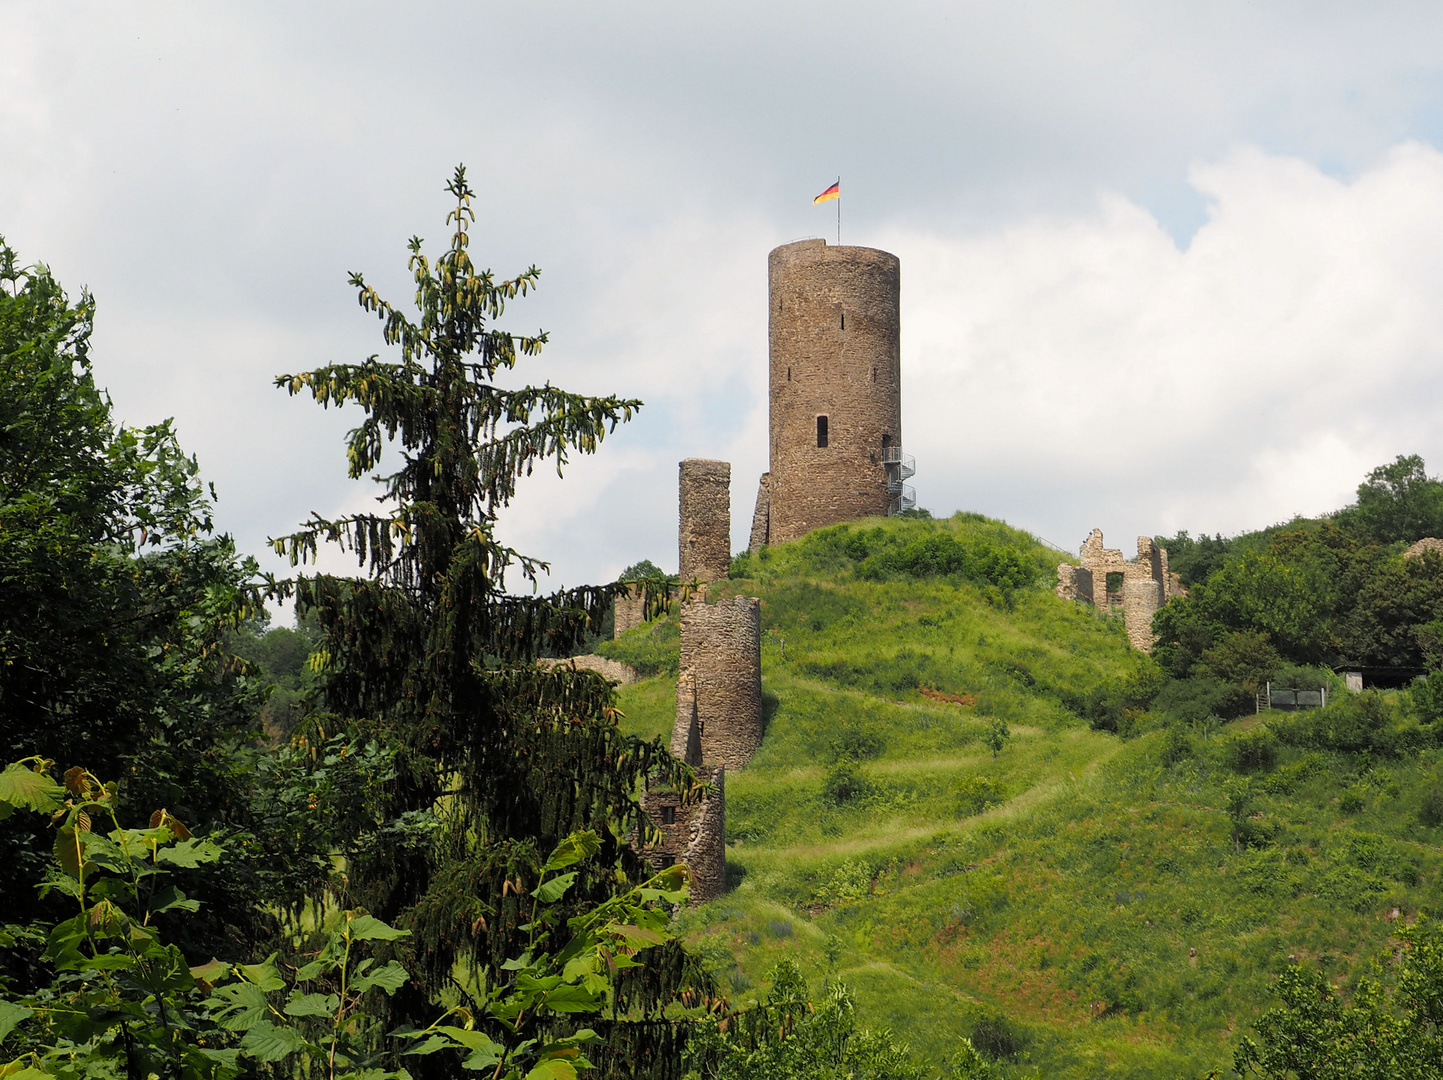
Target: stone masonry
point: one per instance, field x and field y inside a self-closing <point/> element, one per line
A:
<point x="720" y="685"/>
<point x="629" y="611"/>
<point x="1142" y="585"/>
<point x="762" y="515"/>
<point x="834" y="342"/>
<point x="705" y="535"/>
<point x="1428" y="543"/>
<point x="609" y="669"/>
<point x="692" y="833"/>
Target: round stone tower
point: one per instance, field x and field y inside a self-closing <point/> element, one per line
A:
<point x="836" y="388"/>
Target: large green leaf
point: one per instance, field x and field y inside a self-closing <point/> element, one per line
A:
<point x="553" y="1069"/>
<point x="429" y="1046"/>
<point x="312" y="1005"/>
<point x="389" y="978"/>
<point x="190" y="853"/>
<point x="579" y="845"/>
<point x="548" y="892"/>
<point x="238" y="1006"/>
<point x="10" y="1015"/>
<point x="22" y="788"/>
<point x="267" y="1043"/>
<point x="366" y="928"/>
<point x="571" y="999"/>
<point x="263" y="974"/>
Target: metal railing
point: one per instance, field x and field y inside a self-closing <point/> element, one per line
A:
<point x="899" y="467"/>
<point x="905" y="500"/>
<point x="896" y="461"/>
<point x="1289" y="698"/>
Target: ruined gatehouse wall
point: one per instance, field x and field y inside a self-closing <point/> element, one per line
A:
<point x="761" y="516"/>
<point x="705" y="534"/>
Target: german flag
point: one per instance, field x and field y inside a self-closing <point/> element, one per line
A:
<point x="833" y="192"/>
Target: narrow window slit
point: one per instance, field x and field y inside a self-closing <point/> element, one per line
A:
<point x="821" y="431"/>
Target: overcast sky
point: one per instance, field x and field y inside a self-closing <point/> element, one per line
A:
<point x="1163" y="265"/>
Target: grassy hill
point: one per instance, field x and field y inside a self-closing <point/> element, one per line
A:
<point x="1090" y="906"/>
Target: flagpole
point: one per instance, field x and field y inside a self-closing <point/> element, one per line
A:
<point x="839" y="209"/>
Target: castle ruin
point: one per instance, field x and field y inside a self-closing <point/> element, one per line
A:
<point x="718" y="688"/>
<point x="704" y="537"/>
<point x="629" y="611"/>
<point x="720" y="684"/>
<point x="835" y="391"/>
<point x="1108" y="581"/>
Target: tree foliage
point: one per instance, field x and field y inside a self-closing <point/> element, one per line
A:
<point x="1392" y="1031"/>
<point x="494" y="760"/>
<point x="115" y="596"/>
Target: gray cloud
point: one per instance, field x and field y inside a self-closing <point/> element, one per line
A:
<point x="1070" y="188"/>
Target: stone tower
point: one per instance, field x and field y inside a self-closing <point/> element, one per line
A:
<point x="835" y="390"/>
<point x="705" y="536"/>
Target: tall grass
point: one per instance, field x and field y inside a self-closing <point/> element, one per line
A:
<point x="1118" y="907"/>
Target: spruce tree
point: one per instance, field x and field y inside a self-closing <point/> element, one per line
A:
<point x="427" y="652"/>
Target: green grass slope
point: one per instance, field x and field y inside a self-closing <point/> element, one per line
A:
<point x="1101" y="901"/>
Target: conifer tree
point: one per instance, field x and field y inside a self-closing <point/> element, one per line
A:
<point x="429" y="654"/>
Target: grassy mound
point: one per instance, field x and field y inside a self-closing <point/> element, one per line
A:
<point x="1082" y="905"/>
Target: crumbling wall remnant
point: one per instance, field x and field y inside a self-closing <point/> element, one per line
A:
<point x="607" y="668"/>
<point x="1142" y="585"/>
<point x="705" y="535"/>
<point x="692" y="832"/>
<point x="761" y="517"/>
<point x="629" y="611"/>
<point x="721" y="680"/>
<point x="1428" y="543"/>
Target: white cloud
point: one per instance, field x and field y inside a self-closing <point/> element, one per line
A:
<point x="213" y="174"/>
<point x="1071" y="372"/>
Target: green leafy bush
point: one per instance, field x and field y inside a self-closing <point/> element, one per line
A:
<point x="977" y="795"/>
<point x="1430" y="810"/>
<point x="1252" y="751"/>
<point x="998" y="1037"/>
<point x="844" y="784"/>
<point x="859" y="745"/>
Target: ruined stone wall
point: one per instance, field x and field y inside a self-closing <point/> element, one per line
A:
<point x="721" y="648"/>
<point x="835" y="352"/>
<point x="1147" y="583"/>
<point x="1428" y="543"/>
<point x="629" y="611"/>
<point x="604" y="666"/>
<point x="686" y="730"/>
<point x="1141" y="597"/>
<point x="1074" y="582"/>
<point x="705" y="535"/>
<point x="696" y="835"/>
<point x="761" y="516"/>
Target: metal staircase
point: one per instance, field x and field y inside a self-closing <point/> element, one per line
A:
<point x="899" y="467"/>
